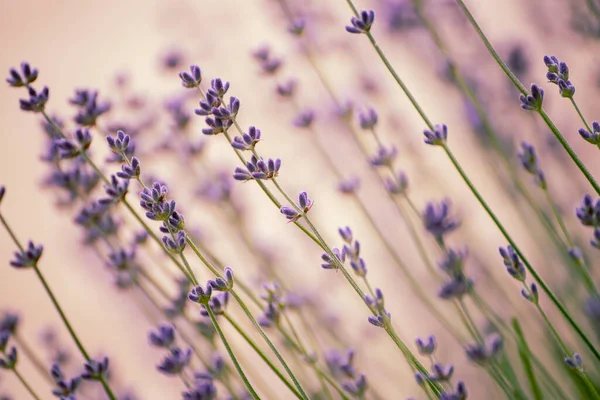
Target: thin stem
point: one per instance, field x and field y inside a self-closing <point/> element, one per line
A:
<point x="270" y="343"/>
<point x="529" y="267"/>
<point x="32" y="356"/>
<point x="587" y="126"/>
<point x="25" y="384"/>
<point x="262" y="355"/>
<point x="237" y="365"/>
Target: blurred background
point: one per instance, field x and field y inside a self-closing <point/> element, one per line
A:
<point x="132" y="52"/>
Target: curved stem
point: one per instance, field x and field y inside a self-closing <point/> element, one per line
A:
<point x="237" y="365"/>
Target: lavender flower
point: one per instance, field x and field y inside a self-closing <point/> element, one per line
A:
<point x="89" y="109"/>
<point x="442" y="373"/>
<point x="398" y="184"/>
<point x="9" y="323"/>
<point x="376" y="304"/>
<point x="304" y="119"/>
<point x="589" y="211"/>
<point x="437" y="219"/>
<point x="531" y="293"/>
<point x="259" y="169"/>
<point x="385" y="157"/>
<point x="529" y="161"/>
<point x="27" y="257"/>
<point x="192" y="79"/>
<point x="119" y="143"/>
<point x="204" y="389"/>
<point x="363" y="23"/>
<point x="349" y="185"/>
<point x="36" y="102"/>
<point x="459" y="394"/>
<point x="304" y="206"/>
<point x="115" y="190"/>
<point x="591" y="137"/>
<point x="175" y="361"/>
<point x="426" y="348"/>
<point x="200" y="295"/>
<point x="558" y="73"/>
<point x="164" y="336"/>
<point x="437" y="137"/>
<point x="28" y="75"/>
<point x="482" y="354"/>
<point x="368" y="119"/>
<point x="533" y="101"/>
<point x="357" y="387"/>
<point x="574" y="362"/>
<point x="287" y="88"/>
<point x="513" y="264"/>
<point x="175" y="245"/>
<point x="65" y="388"/>
<point x="9" y="361"/>
<point x="456" y="288"/>
<point x="297" y="26"/>
<point x="225" y="283"/>
<point x="330" y="263"/>
<point x="248" y="140"/>
<point x="217" y="303"/>
<point x="130" y="171"/>
<point x="95" y="370"/>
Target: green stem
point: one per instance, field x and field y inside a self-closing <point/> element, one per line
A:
<point x="262" y="355"/>
<point x="32" y="356"/>
<point x="237" y="365"/>
<point x="587" y="126"/>
<point x="525" y="354"/>
<point x="25" y="384"/>
<point x="269" y="343"/>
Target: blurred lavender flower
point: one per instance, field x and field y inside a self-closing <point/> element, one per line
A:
<point x="89" y="109"/>
<point x="363" y="23"/>
<point x="368" y="119"/>
<point x="65" y="388"/>
<point x="426" y="347"/>
<point x="95" y="370"/>
<point x="27" y="257"/>
<point x="513" y="264"/>
<point x="589" y="212"/>
<point x="163" y="336"/>
<point x="482" y="354"/>
<point x="203" y="389"/>
<point x="28" y="75"/>
<point x="574" y="362"/>
<point x="304" y="119"/>
<point x="36" y="102"/>
<point x="376" y="304"/>
<point x="175" y="361"/>
<point x="385" y="157"/>
<point x="398" y="184"/>
<point x="10" y="358"/>
<point x="349" y="185"/>
<point x="529" y="161"/>
<point x="437" y="219"/>
<point x="287" y="88"/>
<point x="437" y="137"/>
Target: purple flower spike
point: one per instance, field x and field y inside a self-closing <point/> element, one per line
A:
<point x="192" y="79"/>
<point x="437" y="137"/>
<point x="28" y="75"/>
<point x="363" y="23"/>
